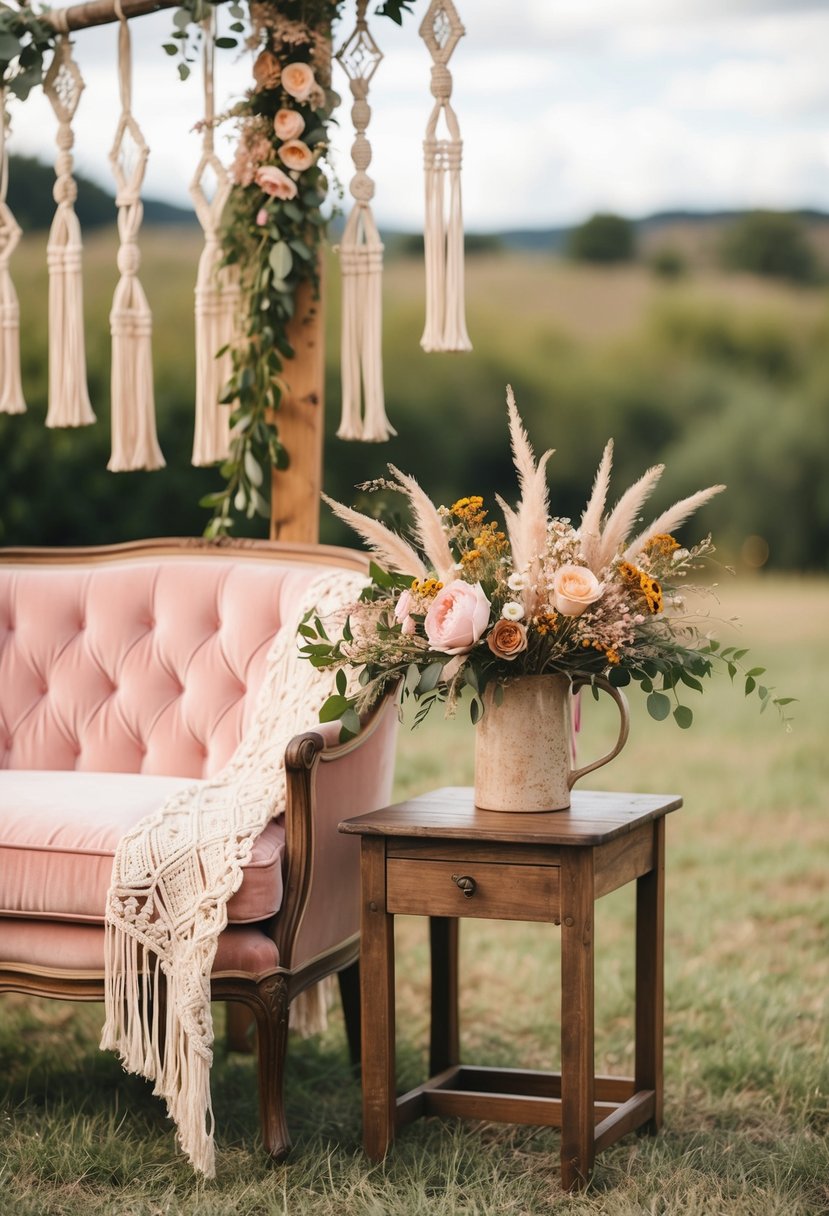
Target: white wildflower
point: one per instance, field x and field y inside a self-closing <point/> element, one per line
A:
<point x="517" y="582"/>
<point x="512" y="611"/>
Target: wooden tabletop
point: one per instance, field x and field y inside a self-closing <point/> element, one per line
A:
<point x="450" y="813"/>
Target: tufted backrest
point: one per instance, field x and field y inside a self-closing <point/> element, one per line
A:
<point x="143" y="665"/>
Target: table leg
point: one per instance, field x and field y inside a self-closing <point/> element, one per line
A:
<point x="444" y="1042"/>
<point x="650" y="999"/>
<point x="377" y="1002"/>
<point x="577" y="1014"/>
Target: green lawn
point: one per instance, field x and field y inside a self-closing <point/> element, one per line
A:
<point x="747" y="1078"/>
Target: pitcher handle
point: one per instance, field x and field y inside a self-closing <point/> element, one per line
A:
<point x="624" y="725"/>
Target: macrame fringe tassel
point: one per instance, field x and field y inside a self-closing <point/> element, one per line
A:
<point x="176" y="1061"/>
<point x="217" y="305"/>
<point x="134" y="440"/>
<point x="361" y="260"/>
<point x="68" y="394"/>
<point x="445" y="327"/>
<point x="11" y="386"/>
<point x="309" y="1012"/>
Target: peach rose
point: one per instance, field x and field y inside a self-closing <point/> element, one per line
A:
<point x="457" y="618"/>
<point x="296" y="155"/>
<point x="298" y="80"/>
<point x="266" y="70"/>
<point x="288" y="124"/>
<point x="574" y="589"/>
<point x="275" y="183"/>
<point x="508" y="639"/>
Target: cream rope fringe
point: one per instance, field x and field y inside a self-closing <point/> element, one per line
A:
<point x="134" y="441"/>
<point x="174" y="872"/>
<point x="11" y="387"/>
<point x="361" y="260"/>
<point x="445" y="327"/>
<point x="68" y="394"/>
<point x="217" y="290"/>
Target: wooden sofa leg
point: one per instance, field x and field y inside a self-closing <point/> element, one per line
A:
<point x="271" y="1013"/>
<point x="240" y="1021"/>
<point x="349" y="979"/>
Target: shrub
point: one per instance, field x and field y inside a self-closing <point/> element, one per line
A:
<point x="773" y="243"/>
<point x="603" y="238"/>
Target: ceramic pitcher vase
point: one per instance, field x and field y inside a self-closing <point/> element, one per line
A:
<point x="523" y="749"/>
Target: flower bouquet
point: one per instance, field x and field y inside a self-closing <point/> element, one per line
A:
<point x="471" y="605"/>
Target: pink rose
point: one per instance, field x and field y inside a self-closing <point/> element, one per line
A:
<point x="296" y="155"/>
<point x="288" y="124"/>
<point x="261" y="217"/>
<point x="401" y="613"/>
<point x="275" y="183"/>
<point x="298" y="80"/>
<point x="457" y="618"/>
<point x="574" y="589"/>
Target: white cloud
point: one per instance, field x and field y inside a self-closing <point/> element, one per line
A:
<point x="770" y="88"/>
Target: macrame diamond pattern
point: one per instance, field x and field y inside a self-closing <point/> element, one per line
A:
<point x="441" y="30"/>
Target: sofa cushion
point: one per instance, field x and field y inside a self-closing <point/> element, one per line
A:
<point x="59" y="832"/>
<point x="146" y="665"/>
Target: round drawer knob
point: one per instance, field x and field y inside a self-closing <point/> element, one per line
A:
<point x="466" y="884"/>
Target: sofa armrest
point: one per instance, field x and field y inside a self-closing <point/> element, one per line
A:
<point x="329" y="781"/>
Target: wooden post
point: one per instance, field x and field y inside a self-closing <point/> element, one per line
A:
<point x="295" y="491"/>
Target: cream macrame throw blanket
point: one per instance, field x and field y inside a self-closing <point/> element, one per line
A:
<point x="174" y="873"/>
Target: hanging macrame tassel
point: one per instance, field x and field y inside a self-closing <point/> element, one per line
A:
<point x="134" y="442"/>
<point x="68" y="394"/>
<point x="11" y="388"/>
<point x="445" y="327"/>
<point x="361" y="261"/>
<point x="217" y="291"/>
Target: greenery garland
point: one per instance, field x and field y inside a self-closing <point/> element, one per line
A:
<point x="273" y="226"/>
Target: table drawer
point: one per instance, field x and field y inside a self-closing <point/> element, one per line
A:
<point x="493" y="890"/>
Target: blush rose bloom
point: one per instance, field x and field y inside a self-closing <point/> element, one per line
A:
<point x="574" y="589"/>
<point x="298" y="80"/>
<point x="275" y="183"/>
<point x="266" y="70"/>
<point x="296" y="155"/>
<point x="508" y="639"/>
<point x="402" y="612"/>
<point x="457" y="618"/>
<point x="288" y="124"/>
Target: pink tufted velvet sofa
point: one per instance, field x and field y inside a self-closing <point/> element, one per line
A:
<point x="125" y="673"/>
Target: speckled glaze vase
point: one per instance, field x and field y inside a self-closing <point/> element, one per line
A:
<point x="523" y="749"/>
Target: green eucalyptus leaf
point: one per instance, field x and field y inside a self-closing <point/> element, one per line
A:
<point x="281" y="260"/>
<point x="659" y="706"/>
<point x="683" y="716"/>
<point x="253" y="469"/>
<point x="333" y="708"/>
<point x="430" y="678"/>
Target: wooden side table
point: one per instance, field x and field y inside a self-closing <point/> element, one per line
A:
<point x="441" y="857"/>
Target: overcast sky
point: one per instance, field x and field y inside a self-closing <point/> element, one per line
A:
<point x="566" y="107"/>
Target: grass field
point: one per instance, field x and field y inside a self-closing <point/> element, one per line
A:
<point x="747" y="1052"/>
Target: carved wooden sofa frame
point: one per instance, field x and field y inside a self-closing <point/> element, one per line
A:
<point x="315" y="932"/>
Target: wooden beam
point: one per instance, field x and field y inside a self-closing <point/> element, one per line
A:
<point x="102" y="12"/>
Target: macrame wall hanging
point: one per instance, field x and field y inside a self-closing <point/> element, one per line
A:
<point x="134" y="442"/>
<point x="445" y="328"/>
<point x="361" y="260"/>
<point x="217" y="288"/>
<point x="11" y="389"/>
<point x="68" y="395"/>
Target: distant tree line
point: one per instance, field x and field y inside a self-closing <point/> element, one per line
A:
<point x="771" y="243"/>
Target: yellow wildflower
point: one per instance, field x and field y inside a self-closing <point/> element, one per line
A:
<point x="545" y="622"/>
<point x="470" y="556"/>
<point x="661" y="545"/>
<point x="611" y="655"/>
